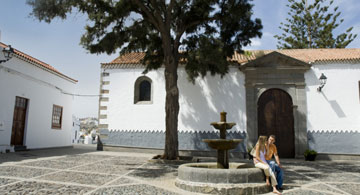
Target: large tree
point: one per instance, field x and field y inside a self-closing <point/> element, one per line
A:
<point x="312" y="26"/>
<point x="208" y="32"/>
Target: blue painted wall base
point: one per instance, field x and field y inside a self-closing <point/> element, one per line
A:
<point x="156" y="139"/>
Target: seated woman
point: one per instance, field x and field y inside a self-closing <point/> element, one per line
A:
<point x="260" y="162"/>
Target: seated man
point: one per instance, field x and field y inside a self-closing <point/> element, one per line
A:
<point x="276" y="167"/>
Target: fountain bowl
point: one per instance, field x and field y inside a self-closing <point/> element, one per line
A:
<point x="222" y="125"/>
<point x="222" y="144"/>
<point x="240" y="178"/>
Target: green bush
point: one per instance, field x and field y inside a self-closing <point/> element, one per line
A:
<point x="310" y="155"/>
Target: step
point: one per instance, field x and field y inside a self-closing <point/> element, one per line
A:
<point x="20" y="148"/>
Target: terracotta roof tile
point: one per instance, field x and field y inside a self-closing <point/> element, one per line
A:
<point x="305" y="55"/>
<point x="129" y="58"/>
<point x="34" y="60"/>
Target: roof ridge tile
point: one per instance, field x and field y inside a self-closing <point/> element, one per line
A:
<point x="37" y="61"/>
<point x="306" y="55"/>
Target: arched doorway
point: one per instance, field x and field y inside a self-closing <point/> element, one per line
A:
<point x="275" y="116"/>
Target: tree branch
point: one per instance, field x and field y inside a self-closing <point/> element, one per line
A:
<point x="158" y="16"/>
<point x="189" y="25"/>
<point x="148" y="13"/>
<point x="168" y="17"/>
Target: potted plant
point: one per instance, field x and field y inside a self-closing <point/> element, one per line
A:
<point x="310" y="155"/>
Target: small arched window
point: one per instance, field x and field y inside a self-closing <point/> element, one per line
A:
<point x="143" y="90"/>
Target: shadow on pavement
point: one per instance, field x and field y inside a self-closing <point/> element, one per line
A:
<point x="41" y="153"/>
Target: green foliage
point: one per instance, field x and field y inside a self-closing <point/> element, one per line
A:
<point x="209" y="31"/>
<point x="312" y="26"/>
<point x="310" y="152"/>
<point x="310" y="155"/>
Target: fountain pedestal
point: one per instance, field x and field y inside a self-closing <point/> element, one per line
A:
<point x="222" y="145"/>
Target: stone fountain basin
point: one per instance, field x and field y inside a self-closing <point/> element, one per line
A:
<point x="208" y="172"/>
<point x="206" y="178"/>
<point x="222" y="144"/>
<point x="220" y="125"/>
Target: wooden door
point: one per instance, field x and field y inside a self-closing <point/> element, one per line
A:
<point x="275" y="117"/>
<point x="18" y="127"/>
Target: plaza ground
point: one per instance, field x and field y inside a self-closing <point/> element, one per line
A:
<point x="86" y="171"/>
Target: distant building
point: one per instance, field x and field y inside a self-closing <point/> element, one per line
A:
<point x="87" y="124"/>
<point x="267" y="92"/>
<point x="36" y="108"/>
<point x="75" y="133"/>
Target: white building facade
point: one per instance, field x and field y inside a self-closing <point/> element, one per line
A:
<point x="276" y="93"/>
<point x="35" y="110"/>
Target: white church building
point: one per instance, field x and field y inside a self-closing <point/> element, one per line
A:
<point x="267" y="92"/>
<point x="35" y="108"/>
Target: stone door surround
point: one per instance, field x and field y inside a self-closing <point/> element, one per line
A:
<point x="279" y="71"/>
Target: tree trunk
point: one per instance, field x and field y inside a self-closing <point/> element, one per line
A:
<point x="171" y="106"/>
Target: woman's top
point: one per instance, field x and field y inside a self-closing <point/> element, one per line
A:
<point x="262" y="156"/>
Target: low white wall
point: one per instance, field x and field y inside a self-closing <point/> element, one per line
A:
<point x="337" y="106"/>
<point x="20" y="78"/>
<point x="200" y="104"/>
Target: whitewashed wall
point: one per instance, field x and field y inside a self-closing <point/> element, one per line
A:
<point x="20" y="78"/>
<point x="200" y="104"/>
<point x="337" y="106"/>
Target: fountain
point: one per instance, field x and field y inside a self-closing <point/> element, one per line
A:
<point x="222" y="145"/>
<point x="221" y="177"/>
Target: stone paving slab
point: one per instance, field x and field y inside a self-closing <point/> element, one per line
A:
<point x="103" y="168"/>
<point x="334" y="177"/>
<point x="325" y="188"/>
<point x="41" y="154"/>
<point x="152" y="171"/>
<point x="79" y="178"/>
<point x="344" y="167"/>
<point x="351" y="188"/>
<point x="55" y="164"/>
<point x="142" y="189"/>
<point x="306" y="192"/>
<point x="39" y="188"/>
<point x="22" y="172"/>
<point x="293" y="177"/>
<point x="84" y="158"/>
<point x="121" y="181"/>
<point x="125" y="160"/>
<point x="4" y="181"/>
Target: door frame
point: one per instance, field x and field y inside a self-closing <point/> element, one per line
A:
<point x="276" y="70"/>
<point x="25" y="120"/>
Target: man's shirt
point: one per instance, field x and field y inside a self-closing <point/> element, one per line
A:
<point x="272" y="150"/>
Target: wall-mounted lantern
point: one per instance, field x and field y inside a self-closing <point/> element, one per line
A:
<point x="322" y="80"/>
<point x="7" y="54"/>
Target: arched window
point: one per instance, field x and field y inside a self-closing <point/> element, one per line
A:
<point x="143" y="90"/>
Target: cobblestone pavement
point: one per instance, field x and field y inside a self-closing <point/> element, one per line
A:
<point x="81" y="171"/>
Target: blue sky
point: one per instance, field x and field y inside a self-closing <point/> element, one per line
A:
<point x="57" y="43"/>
